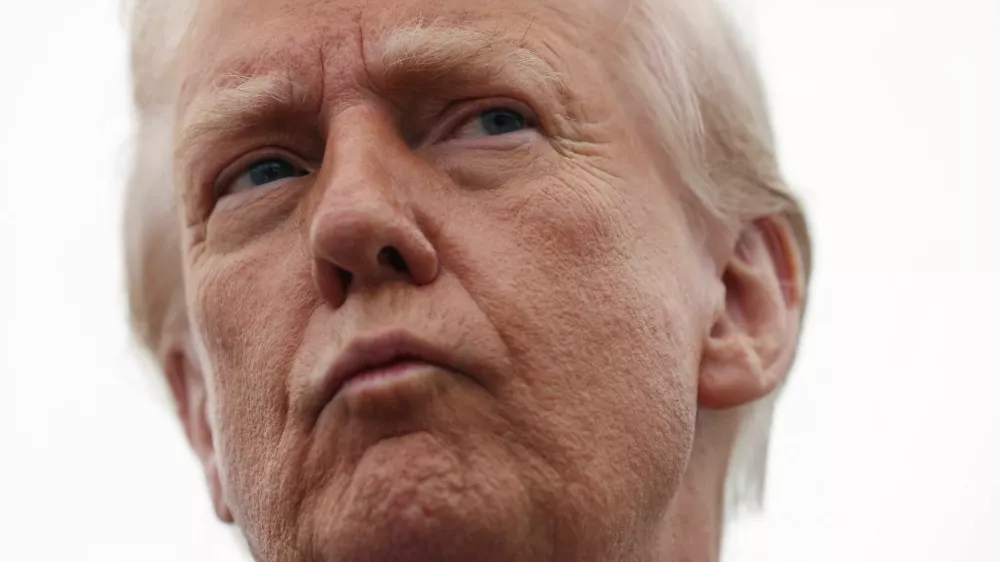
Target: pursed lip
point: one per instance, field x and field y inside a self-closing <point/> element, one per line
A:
<point x="364" y="354"/>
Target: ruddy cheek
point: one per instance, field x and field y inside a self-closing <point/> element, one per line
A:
<point x="224" y="302"/>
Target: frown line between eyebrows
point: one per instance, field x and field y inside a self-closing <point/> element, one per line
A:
<point x="237" y="99"/>
<point x="237" y="102"/>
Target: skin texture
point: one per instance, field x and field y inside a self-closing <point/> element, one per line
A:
<point x="598" y="347"/>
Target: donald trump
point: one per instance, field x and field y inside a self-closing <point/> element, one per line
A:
<point x="456" y="280"/>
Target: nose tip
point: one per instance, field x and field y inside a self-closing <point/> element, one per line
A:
<point x="366" y="244"/>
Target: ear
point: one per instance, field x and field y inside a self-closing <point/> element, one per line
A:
<point x="187" y="384"/>
<point x="752" y="342"/>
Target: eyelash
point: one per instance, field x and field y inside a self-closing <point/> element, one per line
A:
<point x="233" y="171"/>
<point x="460" y="112"/>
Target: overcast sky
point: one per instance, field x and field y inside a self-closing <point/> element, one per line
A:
<point x="886" y="441"/>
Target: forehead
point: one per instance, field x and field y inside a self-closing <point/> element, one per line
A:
<point x="346" y="38"/>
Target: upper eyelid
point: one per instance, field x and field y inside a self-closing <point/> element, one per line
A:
<point x="460" y="112"/>
<point x="232" y="171"/>
<point x="203" y="165"/>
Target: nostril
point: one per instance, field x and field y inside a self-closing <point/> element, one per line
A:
<point x="391" y="257"/>
<point x="345" y="277"/>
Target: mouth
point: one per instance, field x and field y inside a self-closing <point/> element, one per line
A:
<point x="379" y="360"/>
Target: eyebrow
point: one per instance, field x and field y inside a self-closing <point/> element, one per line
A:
<point x="438" y="50"/>
<point x="238" y="101"/>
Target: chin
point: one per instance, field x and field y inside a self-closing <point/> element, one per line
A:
<point x="412" y="499"/>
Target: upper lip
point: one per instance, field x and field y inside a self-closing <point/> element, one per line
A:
<point x="365" y="353"/>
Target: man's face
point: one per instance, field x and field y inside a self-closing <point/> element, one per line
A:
<point x="463" y="201"/>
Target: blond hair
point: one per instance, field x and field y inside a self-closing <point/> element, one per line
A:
<point x="704" y="89"/>
<point x="698" y="80"/>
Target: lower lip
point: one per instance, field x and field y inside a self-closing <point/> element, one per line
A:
<point x="382" y="377"/>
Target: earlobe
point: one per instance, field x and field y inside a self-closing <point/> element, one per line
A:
<point x="752" y="340"/>
<point x="187" y="385"/>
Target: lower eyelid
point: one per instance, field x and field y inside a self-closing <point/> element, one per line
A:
<point x="470" y="110"/>
<point x="242" y="197"/>
<point x="506" y="141"/>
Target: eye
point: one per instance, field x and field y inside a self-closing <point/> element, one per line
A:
<point x="263" y="172"/>
<point x="492" y="122"/>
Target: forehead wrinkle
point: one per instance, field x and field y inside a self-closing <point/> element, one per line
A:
<point x="237" y="100"/>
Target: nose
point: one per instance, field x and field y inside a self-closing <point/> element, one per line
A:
<point x="362" y="233"/>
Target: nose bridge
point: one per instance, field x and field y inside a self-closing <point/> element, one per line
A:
<point x="360" y="146"/>
<point x="363" y="231"/>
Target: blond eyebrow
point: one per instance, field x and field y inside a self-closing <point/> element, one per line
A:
<point x="238" y="101"/>
<point x="440" y="50"/>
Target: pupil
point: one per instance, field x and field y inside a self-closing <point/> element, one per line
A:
<point x="502" y="121"/>
<point x="268" y="171"/>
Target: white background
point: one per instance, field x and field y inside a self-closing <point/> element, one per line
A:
<point x="886" y="441"/>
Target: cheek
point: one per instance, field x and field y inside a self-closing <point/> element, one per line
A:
<point x="250" y="343"/>
<point x="233" y="300"/>
<point x="584" y="286"/>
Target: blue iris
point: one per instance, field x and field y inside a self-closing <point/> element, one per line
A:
<point x="501" y="121"/>
<point x="270" y="170"/>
